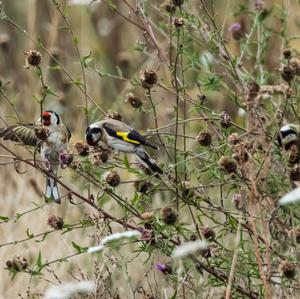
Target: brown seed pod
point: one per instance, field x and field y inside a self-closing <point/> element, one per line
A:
<point x="288" y="73"/>
<point x="225" y="120"/>
<point x="134" y="101"/>
<point x="208" y="233"/>
<point x="82" y="148"/>
<point x="295" y="64"/>
<point x="288" y="269"/>
<point x="18" y="264"/>
<point x="4" y="41"/>
<point x="143" y="187"/>
<point x="187" y="190"/>
<point x="65" y="159"/>
<point x="169" y="216"/>
<point x="259" y="5"/>
<point x="178" y="2"/>
<point x="33" y="57"/>
<point x="295" y="173"/>
<point x="228" y="164"/>
<point x="287" y="54"/>
<point x="148" y="78"/>
<point x="294" y="155"/>
<point x="168" y="6"/>
<point x="234" y="139"/>
<point x="204" y="138"/>
<point x="56" y="222"/>
<point x="147" y="216"/>
<point x="253" y="89"/>
<point x="112" y="178"/>
<point x="116" y="115"/>
<point x="41" y="132"/>
<point x="99" y="157"/>
<point x="178" y="22"/>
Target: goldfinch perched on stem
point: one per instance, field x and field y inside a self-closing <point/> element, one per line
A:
<point x="52" y="140"/>
<point x="121" y="137"/>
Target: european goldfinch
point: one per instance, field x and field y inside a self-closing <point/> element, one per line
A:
<point x="51" y="145"/>
<point x="288" y="135"/>
<point x="121" y="137"/>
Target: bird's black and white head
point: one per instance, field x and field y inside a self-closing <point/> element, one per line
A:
<point x="50" y="118"/>
<point x="288" y="135"/>
<point x="93" y="134"/>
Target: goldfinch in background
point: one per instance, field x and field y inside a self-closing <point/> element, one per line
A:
<point x="119" y="136"/>
<point x="51" y="145"/>
<point x="288" y="135"/>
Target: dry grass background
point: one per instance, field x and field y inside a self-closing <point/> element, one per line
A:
<point x="111" y="40"/>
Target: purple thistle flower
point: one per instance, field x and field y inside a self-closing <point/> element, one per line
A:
<point x="164" y="268"/>
<point x="65" y="159"/>
<point x="235" y="27"/>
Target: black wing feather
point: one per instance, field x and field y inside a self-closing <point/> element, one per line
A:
<point x="20" y="133"/>
<point x="131" y="135"/>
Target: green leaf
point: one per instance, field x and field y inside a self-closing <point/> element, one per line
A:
<point x="29" y="233"/>
<point x="126" y="162"/>
<point x="120" y="73"/>
<point x="4" y="218"/>
<point x="78" y="248"/>
<point x="39" y="261"/>
<point x="75" y="40"/>
<point x="86" y="59"/>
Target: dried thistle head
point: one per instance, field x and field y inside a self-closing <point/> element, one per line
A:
<point x="4" y="41"/>
<point x="187" y="191"/>
<point x="237" y="31"/>
<point x="288" y="269"/>
<point x="41" y="131"/>
<point x="17" y="264"/>
<point x="99" y="157"/>
<point x="287" y="54"/>
<point x="169" y="216"/>
<point x="82" y="148"/>
<point x="116" y="115"/>
<point x="204" y="138"/>
<point x="208" y="233"/>
<point x="148" y="78"/>
<point x="178" y="22"/>
<point x="65" y="159"/>
<point x="168" y="6"/>
<point x="112" y="178"/>
<point x="228" y="164"/>
<point x="225" y="120"/>
<point x="234" y="139"/>
<point x="33" y="57"/>
<point x="259" y="5"/>
<point x="143" y="187"/>
<point x="134" y="101"/>
<point x="253" y="89"/>
<point x="56" y="222"/>
<point x="178" y="2"/>
<point x="295" y="173"/>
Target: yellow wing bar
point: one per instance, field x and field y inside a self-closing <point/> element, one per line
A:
<point x="124" y="136"/>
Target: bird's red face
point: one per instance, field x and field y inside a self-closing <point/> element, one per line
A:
<point x="46" y="118"/>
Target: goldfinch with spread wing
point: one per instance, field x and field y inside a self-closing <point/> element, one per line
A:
<point x="119" y="136"/>
<point x="51" y="145"/>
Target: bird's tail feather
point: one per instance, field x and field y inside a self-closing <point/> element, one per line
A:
<point x="52" y="190"/>
<point x="147" y="160"/>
